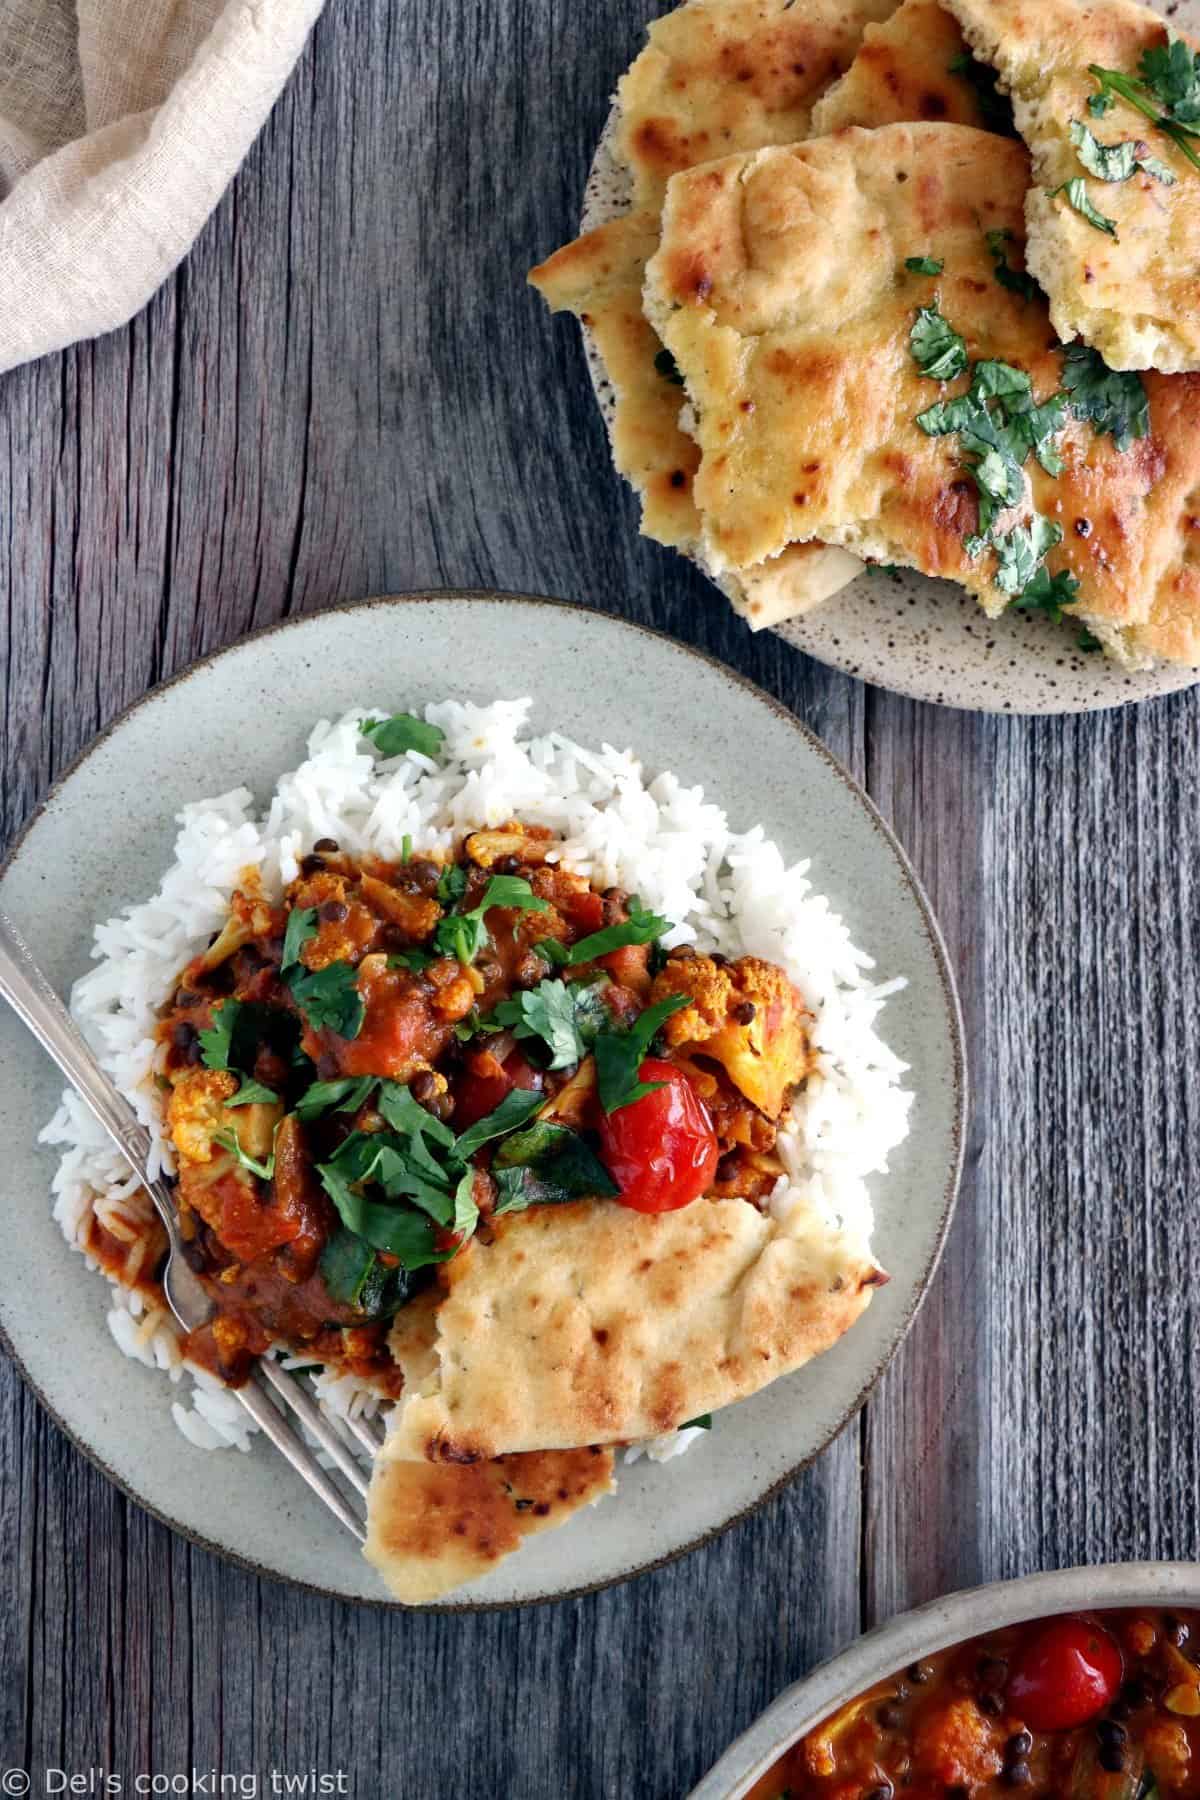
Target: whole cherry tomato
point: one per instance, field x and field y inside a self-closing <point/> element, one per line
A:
<point x="475" y="1096"/>
<point x="661" y="1150"/>
<point x="1065" y="1675"/>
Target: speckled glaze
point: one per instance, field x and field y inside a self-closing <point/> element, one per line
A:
<point x="103" y="839"/>
<point x="904" y="631"/>
<point x="912" y="1635"/>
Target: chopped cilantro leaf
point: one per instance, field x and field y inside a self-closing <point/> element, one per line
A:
<point x="514" y="1110"/>
<point x="1172" y="73"/>
<point x="253" y="1093"/>
<point x="1116" y="162"/>
<point x="666" y="366"/>
<point x="301" y="925"/>
<point x="924" y="265"/>
<point x="1166" y="90"/>
<point x="1017" y="281"/>
<point x="1114" y="401"/>
<point x="228" y="1140"/>
<point x="938" y="349"/>
<point x="1048" y="593"/>
<point x="1088" y="641"/>
<point x="334" y="1096"/>
<point x="464" y="934"/>
<point x="329" y="998"/>
<point x="1077" y="196"/>
<point x="403" y="732"/>
<point x="703" y="1423"/>
<point x="1019" y="552"/>
<point x="545" y="1166"/>
<point x="452" y="884"/>
<point x="408" y="1117"/>
<point x="547" y="1013"/>
<point x="619" y="1055"/>
<point x="217" y="1041"/>
<point x="399" y="1231"/>
<point x="641" y="927"/>
<point x="552" y="952"/>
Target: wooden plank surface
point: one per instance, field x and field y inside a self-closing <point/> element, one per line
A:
<point x="346" y="390"/>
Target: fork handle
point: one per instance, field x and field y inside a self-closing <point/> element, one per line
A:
<point x="34" y="1001"/>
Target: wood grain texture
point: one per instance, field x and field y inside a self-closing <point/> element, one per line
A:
<point x="347" y="389"/>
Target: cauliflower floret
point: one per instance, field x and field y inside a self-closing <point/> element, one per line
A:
<point x="196" y="1112"/>
<point x="745" y="1015"/>
<point x="957" y="1745"/>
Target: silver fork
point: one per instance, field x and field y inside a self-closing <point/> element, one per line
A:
<point x="34" y="1001"/>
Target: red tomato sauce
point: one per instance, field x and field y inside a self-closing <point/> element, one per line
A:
<point x="1089" y="1706"/>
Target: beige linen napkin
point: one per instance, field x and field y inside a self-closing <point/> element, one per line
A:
<point x="121" y="124"/>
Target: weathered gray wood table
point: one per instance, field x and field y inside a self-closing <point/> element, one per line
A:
<point x="348" y="390"/>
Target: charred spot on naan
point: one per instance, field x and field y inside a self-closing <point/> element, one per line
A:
<point x="433" y="1525"/>
<point x="721" y="75"/>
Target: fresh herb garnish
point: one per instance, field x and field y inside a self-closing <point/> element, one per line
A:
<point x="253" y="1093"/>
<point x="346" y="1095"/>
<point x="995" y="109"/>
<point x="545" y="1166"/>
<point x="415" y="960"/>
<point x="1020" y="551"/>
<point x="398" y="1231"/>
<point x="403" y="731"/>
<point x="406" y="848"/>
<point x="452" y="884"/>
<point x="1046" y="593"/>
<point x="1116" y="162"/>
<point x="329" y="998"/>
<point x="1088" y="641"/>
<point x="1076" y="194"/>
<point x="619" y="1055"/>
<point x="564" y="1018"/>
<point x="1017" y="281"/>
<point x="939" y="350"/>
<point x="641" y="927"/>
<point x="409" y="1117"/>
<point x="228" y="1140"/>
<point x="1113" y="400"/>
<point x="514" y="1110"/>
<point x="301" y="925"/>
<point x="552" y="952"/>
<point x="216" y="1043"/>
<point x="464" y="935"/>
<point x="923" y="265"/>
<point x="666" y="366"/>
<point x="703" y="1423"/>
<point x="1166" y="90"/>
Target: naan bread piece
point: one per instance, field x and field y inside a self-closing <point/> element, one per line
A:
<point x="909" y="68"/>
<point x="1135" y="297"/>
<point x="599" y="279"/>
<point x="590" y="1323"/>
<point x="432" y="1527"/>
<point x="780" y="288"/>
<point x="724" y="75"/>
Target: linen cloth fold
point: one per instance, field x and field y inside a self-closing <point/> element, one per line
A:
<point x="121" y="125"/>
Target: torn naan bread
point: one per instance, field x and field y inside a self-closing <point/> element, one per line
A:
<point x="599" y="279"/>
<point x="590" y="1323"/>
<point x="782" y="292"/>
<point x="724" y="75"/>
<point x="913" y="66"/>
<point x="1133" y="295"/>
<point x="432" y="1527"/>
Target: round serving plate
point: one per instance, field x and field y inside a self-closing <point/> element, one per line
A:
<point x="904" y="631"/>
<point x="103" y="840"/>
<point x="937" y="1626"/>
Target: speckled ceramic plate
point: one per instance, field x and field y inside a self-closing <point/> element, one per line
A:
<point x="909" y="633"/>
<point x="103" y="839"/>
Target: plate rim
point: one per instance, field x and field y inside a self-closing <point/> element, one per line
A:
<point x="960" y="1088"/>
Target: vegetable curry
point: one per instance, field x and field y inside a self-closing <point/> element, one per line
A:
<point x="1102" y="1706"/>
<point x="365" y="1073"/>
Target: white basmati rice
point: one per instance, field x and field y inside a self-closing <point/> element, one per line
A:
<point x="726" y="890"/>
